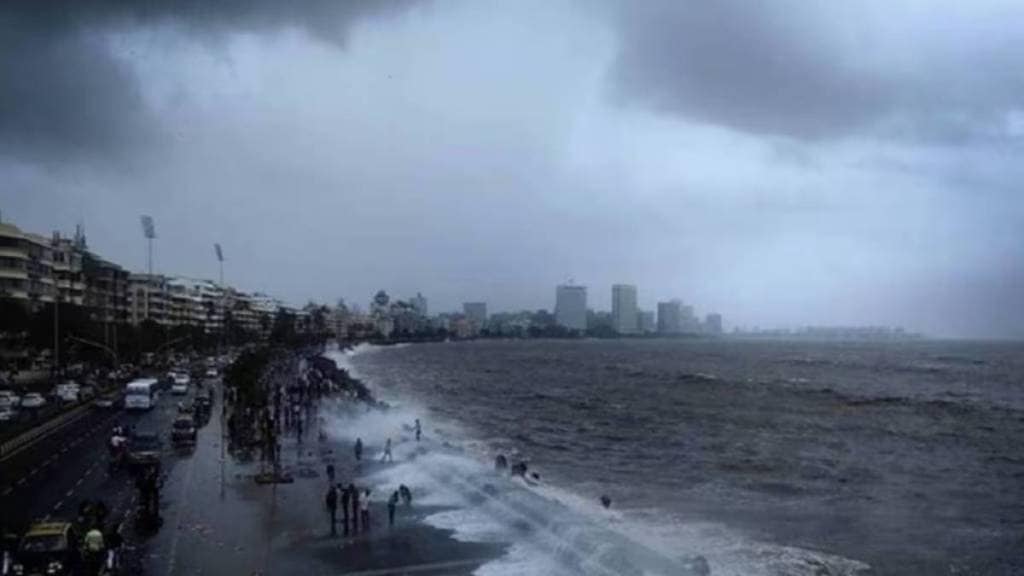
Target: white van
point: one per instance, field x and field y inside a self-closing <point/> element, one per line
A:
<point x="141" y="394"/>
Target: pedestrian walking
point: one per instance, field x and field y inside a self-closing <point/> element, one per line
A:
<point x="405" y="494"/>
<point x="359" y="448"/>
<point x="364" y="510"/>
<point x="332" y="508"/>
<point x="387" y="452"/>
<point x="392" y="503"/>
<point x="346" y="497"/>
<point x="330" y="474"/>
<point x="355" y="507"/>
<point x="419" y="430"/>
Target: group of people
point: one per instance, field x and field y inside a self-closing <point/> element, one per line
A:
<point x="354" y="504"/>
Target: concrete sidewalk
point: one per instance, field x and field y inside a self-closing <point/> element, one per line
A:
<point x="218" y="520"/>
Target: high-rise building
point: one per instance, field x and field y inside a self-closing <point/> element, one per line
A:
<point x="476" y="312"/>
<point x="645" y="321"/>
<point x="690" y="322"/>
<point x="713" y="323"/>
<point x="571" y="306"/>
<point x="419" y="304"/>
<point x="670" y="317"/>
<point x="624" y="308"/>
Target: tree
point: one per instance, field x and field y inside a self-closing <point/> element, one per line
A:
<point x="284" y="327"/>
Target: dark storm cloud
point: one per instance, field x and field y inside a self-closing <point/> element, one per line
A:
<point x="824" y="70"/>
<point x="66" y="94"/>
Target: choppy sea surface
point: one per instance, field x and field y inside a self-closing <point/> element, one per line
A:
<point x="728" y="457"/>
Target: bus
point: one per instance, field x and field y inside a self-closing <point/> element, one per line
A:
<point x="141" y="394"/>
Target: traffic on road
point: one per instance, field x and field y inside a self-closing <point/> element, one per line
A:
<point x="81" y="473"/>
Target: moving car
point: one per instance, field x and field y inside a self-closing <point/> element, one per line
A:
<point x="105" y="402"/>
<point x="143" y="449"/>
<point x="49" y="548"/>
<point x="7" y="414"/>
<point x="179" y="384"/>
<point x="9" y="399"/>
<point x="33" y="400"/>
<point x="67" y="392"/>
<point x="183" y="432"/>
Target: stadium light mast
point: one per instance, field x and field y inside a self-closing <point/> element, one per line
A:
<point x="149" y="231"/>
<point x="223" y="296"/>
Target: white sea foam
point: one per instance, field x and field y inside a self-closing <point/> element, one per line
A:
<point x="550" y="530"/>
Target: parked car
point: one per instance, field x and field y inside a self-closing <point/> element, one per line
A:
<point x="33" y="400"/>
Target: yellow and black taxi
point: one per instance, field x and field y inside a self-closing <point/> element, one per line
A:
<point x="47" y="549"/>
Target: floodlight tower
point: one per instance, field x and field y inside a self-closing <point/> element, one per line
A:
<point x="149" y="231"/>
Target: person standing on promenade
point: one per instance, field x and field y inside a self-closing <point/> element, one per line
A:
<point x="330" y="474"/>
<point x="346" y="497"/>
<point x="364" y="510"/>
<point x="387" y="452"/>
<point x="392" y="503"/>
<point x="332" y="508"/>
<point x="419" y="430"/>
<point x="355" y="507"/>
<point x="359" y="449"/>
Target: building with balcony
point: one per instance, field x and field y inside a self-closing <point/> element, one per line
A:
<point x="26" y="267"/>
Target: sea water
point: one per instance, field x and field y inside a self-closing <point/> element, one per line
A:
<point x="721" y="457"/>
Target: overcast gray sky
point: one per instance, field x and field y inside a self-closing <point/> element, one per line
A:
<point x="783" y="162"/>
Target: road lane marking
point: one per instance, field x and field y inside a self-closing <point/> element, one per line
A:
<point x="70" y="492"/>
<point x="8" y="490"/>
<point x="79" y="483"/>
<point x="20" y="482"/>
<point x="33" y="472"/>
<point x="58" y="505"/>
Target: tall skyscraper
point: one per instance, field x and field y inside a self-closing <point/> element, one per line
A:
<point x="713" y="323"/>
<point x="571" y="306"/>
<point x="476" y="312"/>
<point x="624" y="308"/>
<point x="670" y="317"/>
<point x="419" y="304"/>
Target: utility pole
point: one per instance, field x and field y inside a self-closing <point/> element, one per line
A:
<point x="56" y="332"/>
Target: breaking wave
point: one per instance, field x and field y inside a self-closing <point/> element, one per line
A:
<point x="548" y="529"/>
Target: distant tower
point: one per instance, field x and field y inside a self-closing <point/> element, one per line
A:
<point x="624" y="309"/>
